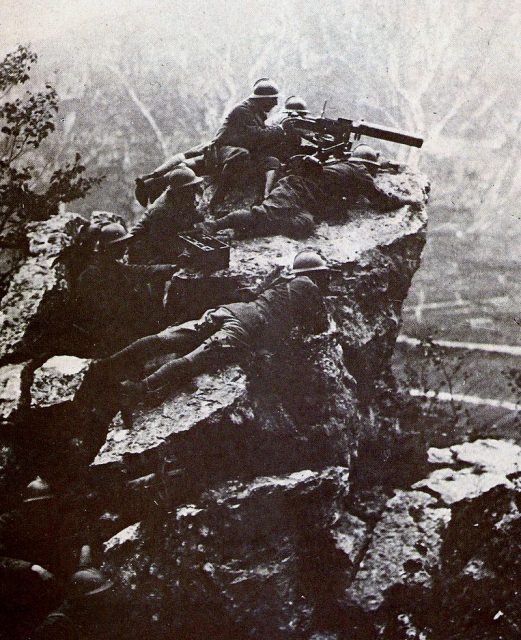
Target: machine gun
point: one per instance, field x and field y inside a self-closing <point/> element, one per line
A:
<point x="336" y="137"/>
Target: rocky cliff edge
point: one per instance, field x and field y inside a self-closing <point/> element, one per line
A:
<point x="222" y="512"/>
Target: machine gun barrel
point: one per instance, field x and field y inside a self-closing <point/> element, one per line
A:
<point x="386" y="133"/>
<point x="343" y="129"/>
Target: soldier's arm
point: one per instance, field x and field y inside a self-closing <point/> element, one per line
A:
<point x="142" y="225"/>
<point x="243" y="120"/>
<point x="165" y="271"/>
<point x="167" y="166"/>
<point x="313" y="312"/>
<point x="381" y="199"/>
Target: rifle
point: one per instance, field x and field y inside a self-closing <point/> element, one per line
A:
<point x="337" y="136"/>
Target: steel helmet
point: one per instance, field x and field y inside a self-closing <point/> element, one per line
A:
<point x="111" y="232"/>
<point x="365" y="154"/>
<point x="265" y="88"/>
<point x="294" y="103"/>
<point x="87" y="581"/>
<point x="308" y="260"/>
<point x="38" y="489"/>
<point x="182" y="177"/>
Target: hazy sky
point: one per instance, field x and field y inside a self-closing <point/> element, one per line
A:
<point x="36" y="20"/>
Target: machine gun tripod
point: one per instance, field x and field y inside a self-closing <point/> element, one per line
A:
<point x="335" y="138"/>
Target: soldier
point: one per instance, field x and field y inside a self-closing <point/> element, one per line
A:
<point x="153" y="239"/>
<point x="151" y="186"/>
<point x="244" y="137"/>
<point x="228" y="334"/>
<point x="344" y="182"/>
<point x="29" y="532"/>
<point x="30" y="539"/>
<point x="313" y="192"/>
<point x="112" y="300"/>
<point x="293" y="144"/>
<point x="294" y="106"/>
<point x="85" y="607"/>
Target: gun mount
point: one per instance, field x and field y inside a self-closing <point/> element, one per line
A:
<point x="330" y="136"/>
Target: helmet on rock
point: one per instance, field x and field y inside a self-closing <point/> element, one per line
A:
<point x="307" y="260"/>
<point x="38" y="489"/>
<point x="294" y="103"/>
<point x="265" y="88"/>
<point x="365" y="154"/>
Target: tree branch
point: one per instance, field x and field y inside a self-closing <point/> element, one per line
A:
<point x="144" y="110"/>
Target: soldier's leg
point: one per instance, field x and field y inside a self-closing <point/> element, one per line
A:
<point x="177" y="339"/>
<point x="167" y="166"/>
<point x="299" y="225"/>
<point x="271" y="167"/>
<point x="241" y="220"/>
<point x="214" y="353"/>
<point x="224" y="347"/>
<point x="231" y="159"/>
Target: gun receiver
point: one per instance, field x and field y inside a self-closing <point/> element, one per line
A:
<point x="343" y="131"/>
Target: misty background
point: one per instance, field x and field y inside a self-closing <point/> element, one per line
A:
<point x="140" y="80"/>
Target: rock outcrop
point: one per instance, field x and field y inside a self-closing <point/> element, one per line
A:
<point x="224" y="512"/>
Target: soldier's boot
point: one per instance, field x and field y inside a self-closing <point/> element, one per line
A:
<point x="130" y="395"/>
<point x="270" y="181"/>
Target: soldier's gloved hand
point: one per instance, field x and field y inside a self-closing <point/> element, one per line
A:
<point x="45" y="575"/>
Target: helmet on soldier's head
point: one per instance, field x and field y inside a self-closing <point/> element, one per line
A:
<point x="265" y="88"/>
<point x="307" y="261"/>
<point x="38" y="489"/>
<point x="182" y="177"/>
<point x="294" y="103"/>
<point x="87" y="581"/>
<point x="365" y="154"/>
<point x="111" y="232"/>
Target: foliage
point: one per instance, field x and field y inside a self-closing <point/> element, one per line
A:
<point x="434" y="372"/>
<point x="26" y="121"/>
<point x="513" y="378"/>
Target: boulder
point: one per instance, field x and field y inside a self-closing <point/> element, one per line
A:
<point x="450" y="486"/>
<point x="404" y="551"/>
<point x="58" y="380"/>
<point x="477" y="591"/>
<point x="253" y="537"/>
<point x="14" y="388"/>
<point x="480" y="466"/>
<point x="499" y="456"/>
<point x="254" y="560"/>
<point x="32" y="310"/>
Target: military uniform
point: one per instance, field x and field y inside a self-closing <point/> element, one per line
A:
<point x="344" y="182"/>
<point x="297" y="201"/>
<point x="228" y="334"/>
<point x="152" y="185"/>
<point x="113" y="300"/>
<point x="29" y="536"/>
<point x="58" y="625"/>
<point x="285" y="211"/>
<point x="155" y="234"/>
<point x="245" y="136"/>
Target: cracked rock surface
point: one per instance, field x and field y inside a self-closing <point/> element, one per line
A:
<point x="224" y="512"/>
